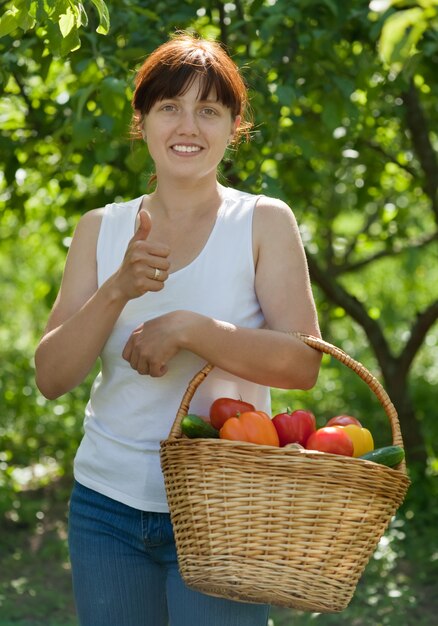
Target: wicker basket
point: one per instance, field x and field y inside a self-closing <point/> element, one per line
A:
<point x="286" y="527"/>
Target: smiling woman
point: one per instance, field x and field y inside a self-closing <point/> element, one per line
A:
<point x="154" y="287"/>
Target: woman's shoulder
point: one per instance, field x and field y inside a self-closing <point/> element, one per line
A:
<point x="263" y="202"/>
<point x="271" y="203"/>
<point x="273" y="211"/>
<point x="274" y="219"/>
<point x="89" y="221"/>
<point x="269" y="212"/>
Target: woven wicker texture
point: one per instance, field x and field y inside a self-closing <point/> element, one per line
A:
<point x="282" y="526"/>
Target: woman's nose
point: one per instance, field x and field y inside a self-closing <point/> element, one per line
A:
<point x="188" y="123"/>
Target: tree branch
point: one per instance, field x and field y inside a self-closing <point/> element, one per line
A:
<point x="423" y="323"/>
<point x="223" y="26"/>
<point x="337" y="294"/>
<point x="396" y="249"/>
<point x="419" y="131"/>
<point x="388" y="157"/>
<point x="241" y="15"/>
<point x="372" y="218"/>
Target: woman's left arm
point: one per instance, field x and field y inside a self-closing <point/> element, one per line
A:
<point x="268" y="356"/>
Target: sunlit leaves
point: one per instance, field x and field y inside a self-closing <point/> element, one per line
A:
<point x="400" y="35"/>
<point x="66" y="22"/>
<point x="104" y="18"/>
<point x="403" y="29"/>
<point x="14" y="18"/>
<point x="60" y="21"/>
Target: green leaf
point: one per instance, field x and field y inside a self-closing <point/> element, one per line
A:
<point x="104" y="17"/>
<point x="8" y="23"/>
<point x="66" y="22"/>
<point x="82" y="19"/>
<point x="70" y="43"/>
<point x="60" y="45"/>
<point x="56" y="9"/>
<point x="400" y="34"/>
<point x="26" y="21"/>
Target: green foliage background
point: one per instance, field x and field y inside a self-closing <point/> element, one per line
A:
<point x="344" y="99"/>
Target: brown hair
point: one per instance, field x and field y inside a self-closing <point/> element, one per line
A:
<point x="171" y="69"/>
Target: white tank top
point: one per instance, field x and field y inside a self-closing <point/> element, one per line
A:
<point x="128" y="414"/>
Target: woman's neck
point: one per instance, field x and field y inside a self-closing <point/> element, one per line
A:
<point x="186" y="197"/>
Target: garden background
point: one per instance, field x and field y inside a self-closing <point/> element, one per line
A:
<point x="344" y="96"/>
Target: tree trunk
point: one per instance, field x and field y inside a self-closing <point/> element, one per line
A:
<point x="413" y="440"/>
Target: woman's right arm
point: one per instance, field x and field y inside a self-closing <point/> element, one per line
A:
<point x="84" y="315"/>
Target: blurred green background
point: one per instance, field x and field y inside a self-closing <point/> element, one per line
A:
<point x="344" y="102"/>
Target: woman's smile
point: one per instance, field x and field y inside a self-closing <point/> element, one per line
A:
<point x="183" y="149"/>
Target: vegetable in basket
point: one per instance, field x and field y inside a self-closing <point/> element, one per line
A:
<point x="331" y="439"/>
<point x="389" y="455"/>
<point x="294" y="427"/>
<point x="196" y="427"/>
<point x="251" y="426"/>
<point x="224" y="408"/>
<point x="361" y="437"/>
<point x="343" y="420"/>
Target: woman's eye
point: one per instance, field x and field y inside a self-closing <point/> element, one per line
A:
<point x="168" y="107"/>
<point x="208" y="111"/>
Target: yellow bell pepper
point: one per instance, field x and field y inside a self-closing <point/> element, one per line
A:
<point x="361" y="437"/>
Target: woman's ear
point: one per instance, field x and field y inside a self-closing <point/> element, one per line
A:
<point x="234" y="129"/>
<point x="140" y="123"/>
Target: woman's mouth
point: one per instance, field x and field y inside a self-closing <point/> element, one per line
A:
<point x="186" y="149"/>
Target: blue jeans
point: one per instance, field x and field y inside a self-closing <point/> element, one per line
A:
<point x="125" y="571"/>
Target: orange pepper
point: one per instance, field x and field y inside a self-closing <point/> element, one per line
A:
<point x="252" y="426"/>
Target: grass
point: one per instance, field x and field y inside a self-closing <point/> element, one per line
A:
<point x="35" y="584"/>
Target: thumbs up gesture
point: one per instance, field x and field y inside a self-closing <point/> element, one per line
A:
<point x="144" y="227"/>
<point x="145" y="266"/>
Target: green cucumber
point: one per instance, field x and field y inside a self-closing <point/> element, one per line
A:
<point x="389" y="455"/>
<point x="195" y="427"/>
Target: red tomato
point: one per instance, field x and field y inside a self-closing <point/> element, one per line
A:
<point x="343" y="420"/>
<point x="295" y="427"/>
<point x="224" y="408"/>
<point x="331" y="439"/>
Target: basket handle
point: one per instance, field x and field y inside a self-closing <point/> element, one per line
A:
<point x="175" y="431"/>
<point x="326" y="348"/>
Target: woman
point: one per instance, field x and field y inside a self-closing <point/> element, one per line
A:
<point x="155" y="287"/>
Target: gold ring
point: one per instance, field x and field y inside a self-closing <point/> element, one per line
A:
<point x="157" y="274"/>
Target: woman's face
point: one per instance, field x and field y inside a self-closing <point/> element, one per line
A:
<point x="187" y="136"/>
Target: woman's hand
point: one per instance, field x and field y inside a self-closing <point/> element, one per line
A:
<point x="145" y="266"/>
<point x="153" y="343"/>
